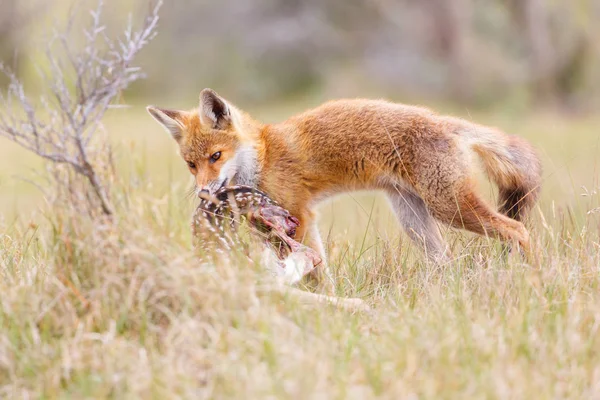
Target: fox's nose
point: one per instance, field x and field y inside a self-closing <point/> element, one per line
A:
<point x="204" y="190"/>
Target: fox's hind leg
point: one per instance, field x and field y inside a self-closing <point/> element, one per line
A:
<point x="457" y="205"/>
<point x="418" y="223"/>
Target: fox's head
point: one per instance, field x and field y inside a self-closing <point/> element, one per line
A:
<point x="214" y="140"/>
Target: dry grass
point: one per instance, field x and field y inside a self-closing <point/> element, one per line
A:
<point x="123" y="310"/>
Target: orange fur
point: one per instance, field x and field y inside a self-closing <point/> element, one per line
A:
<point x="421" y="159"/>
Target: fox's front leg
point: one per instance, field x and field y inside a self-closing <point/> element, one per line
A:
<point x="308" y="234"/>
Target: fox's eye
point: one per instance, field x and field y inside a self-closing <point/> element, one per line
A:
<point x="215" y="157"/>
<point x="191" y="164"/>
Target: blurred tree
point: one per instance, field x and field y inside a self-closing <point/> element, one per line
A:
<point x="531" y="17"/>
<point x="451" y="25"/>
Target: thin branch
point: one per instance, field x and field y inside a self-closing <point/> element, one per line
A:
<point x="83" y="82"/>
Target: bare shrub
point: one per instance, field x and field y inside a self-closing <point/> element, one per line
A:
<point x="64" y="124"/>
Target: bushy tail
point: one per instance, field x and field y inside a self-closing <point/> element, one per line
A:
<point x="512" y="164"/>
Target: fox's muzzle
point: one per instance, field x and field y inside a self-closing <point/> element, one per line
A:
<point x="212" y="187"/>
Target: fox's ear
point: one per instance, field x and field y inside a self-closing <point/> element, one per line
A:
<point x="214" y="111"/>
<point x="169" y="119"/>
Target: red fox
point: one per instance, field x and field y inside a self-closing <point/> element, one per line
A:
<point x="422" y="161"/>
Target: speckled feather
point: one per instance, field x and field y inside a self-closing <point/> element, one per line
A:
<point x="216" y="221"/>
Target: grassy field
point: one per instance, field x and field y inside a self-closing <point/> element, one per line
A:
<point x="126" y="311"/>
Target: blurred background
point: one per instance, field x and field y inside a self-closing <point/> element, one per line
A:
<point x="481" y="53"/>
<point x="530" y="67"/>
